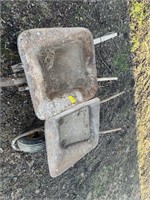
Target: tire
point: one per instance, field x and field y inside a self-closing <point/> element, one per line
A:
<point x="32" y="143"/>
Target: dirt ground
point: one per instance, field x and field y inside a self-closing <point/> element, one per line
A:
<point x="108" y="172"/>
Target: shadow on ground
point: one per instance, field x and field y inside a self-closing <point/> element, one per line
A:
<point x="108" y="172"/>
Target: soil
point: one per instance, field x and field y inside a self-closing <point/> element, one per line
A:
<point x="108" y="172"/>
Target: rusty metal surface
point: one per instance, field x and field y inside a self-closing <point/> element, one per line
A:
<point x="64" y="151"/>
<point x="12" y="81"/>
<point x="17" y="68"/>
<point x="58" y="62"/>
<point x="75" y="127"/>
<point x="16" y="79"/>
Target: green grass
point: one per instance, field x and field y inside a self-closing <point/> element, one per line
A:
<point x="120" y="61"/>
<point x="140" y="40"/>
<point x="138" y="14"/>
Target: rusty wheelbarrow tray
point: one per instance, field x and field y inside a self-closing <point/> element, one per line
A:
<point x="58" y="63"/>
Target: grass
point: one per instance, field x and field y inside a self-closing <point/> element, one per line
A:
<point x="140" y="38"/>
<point x="120" y="61"/>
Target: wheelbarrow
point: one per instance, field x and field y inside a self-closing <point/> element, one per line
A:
<point x="60" y="70"/>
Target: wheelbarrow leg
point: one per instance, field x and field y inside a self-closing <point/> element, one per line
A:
<point x="17" y="68"/>
<point x="17" y="78"/>
<point x="12" y="81"/>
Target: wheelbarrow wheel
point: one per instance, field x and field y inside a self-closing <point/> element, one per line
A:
<point x="32" y="143"/>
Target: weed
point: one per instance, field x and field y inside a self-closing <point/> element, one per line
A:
<point x="138" y="13"/>
<point x="120" y="61"/>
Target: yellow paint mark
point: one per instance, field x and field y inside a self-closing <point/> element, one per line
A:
<point x="72" y="99"/>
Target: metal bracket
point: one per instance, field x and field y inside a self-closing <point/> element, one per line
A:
<point x="105" y="38"/>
